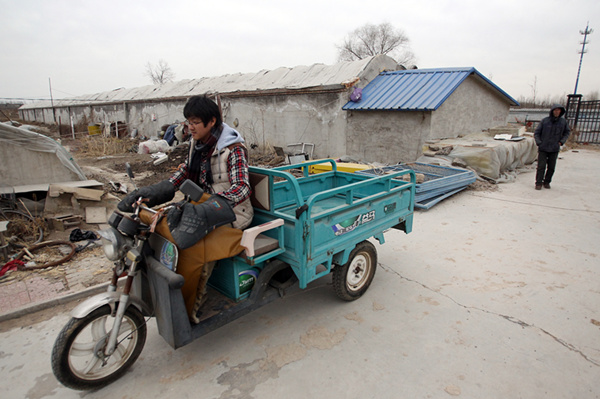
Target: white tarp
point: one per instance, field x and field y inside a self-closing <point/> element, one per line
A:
<point x="489" y="157"/>
<point x="31" y="158"/>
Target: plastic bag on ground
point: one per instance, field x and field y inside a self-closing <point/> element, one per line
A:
<point x="153" y="146"/>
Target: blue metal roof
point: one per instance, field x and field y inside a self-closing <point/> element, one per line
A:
<point x="416" y="89"/>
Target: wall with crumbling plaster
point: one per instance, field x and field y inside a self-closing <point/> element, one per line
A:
<point x="281" y="120"/>
<point x="471" y="108"/>
<point x="387" y="137"/>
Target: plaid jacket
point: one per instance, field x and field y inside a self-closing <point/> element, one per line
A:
<point x="237" y="169"/>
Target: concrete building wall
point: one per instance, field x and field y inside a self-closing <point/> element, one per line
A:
<point x="280" y="120"/>
<point x="109" y="113"/>
<point x="386" y="136"/>
<point x="472" y="107"/>
<point x="525" y="115"/>
<point x="149" y="117"/>
<point x="146" y="117"/>
<point x="42" y="115"/>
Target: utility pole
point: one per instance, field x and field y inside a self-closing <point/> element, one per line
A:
<point x="52" y="99"/>
<point x="585" y="33"/>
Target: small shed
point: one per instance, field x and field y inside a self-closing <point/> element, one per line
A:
<point x="400" y="110"/>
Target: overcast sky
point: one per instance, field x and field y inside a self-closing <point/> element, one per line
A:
<point x="87" y="47"/>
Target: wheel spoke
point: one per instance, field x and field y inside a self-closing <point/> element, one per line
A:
<point x="124" y="336"/>
<point x="99" y="329"/>
<point x="93" y="364"/>
<point x="120" y="351"/>
<point x="82" y="349"/>
<point x="126" y="328"/>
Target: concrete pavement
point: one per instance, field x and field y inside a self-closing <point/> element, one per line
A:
<point x="493" y="295"/>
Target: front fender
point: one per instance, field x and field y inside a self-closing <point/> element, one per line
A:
<point x="106" y="298"/>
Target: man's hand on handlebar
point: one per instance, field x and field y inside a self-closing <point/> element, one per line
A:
<point x="153" y="195"/>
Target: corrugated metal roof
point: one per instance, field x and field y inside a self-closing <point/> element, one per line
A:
<point x="316" y="76"/>
<point x="416" y="89"/>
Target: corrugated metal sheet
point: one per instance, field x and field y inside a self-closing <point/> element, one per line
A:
<point x="439" y="182"/>
<point x="416" y="89"/>
<point x="316" y="76"/>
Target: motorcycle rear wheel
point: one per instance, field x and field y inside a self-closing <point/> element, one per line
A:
<point x="75" y="357"/>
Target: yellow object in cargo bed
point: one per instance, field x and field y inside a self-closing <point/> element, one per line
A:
<point x="341" y="166"/>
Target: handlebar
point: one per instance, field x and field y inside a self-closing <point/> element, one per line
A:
<point x="139" y="205"/>
<point x="191" y="190"/>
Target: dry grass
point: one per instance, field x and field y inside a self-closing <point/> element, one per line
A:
<point x="21" y="230"/>
<point x="100" y="146"/>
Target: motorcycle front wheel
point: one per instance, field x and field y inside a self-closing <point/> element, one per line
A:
<point x="77" y="357"/>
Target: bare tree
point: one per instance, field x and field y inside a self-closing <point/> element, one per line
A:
<point x="369" y="40"/>
<point x="534" y="89"/>
<point x="160" y="73"/>
<point x="592" y="95"/>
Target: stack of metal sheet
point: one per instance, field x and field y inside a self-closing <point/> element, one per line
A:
<point x="434" y="183"/>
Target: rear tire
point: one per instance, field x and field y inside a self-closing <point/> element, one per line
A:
<point x="351" y="281"/>
<point x="75" y="362"/>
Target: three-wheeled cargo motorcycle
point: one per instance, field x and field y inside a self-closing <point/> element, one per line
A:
<point x="303" y="229"/>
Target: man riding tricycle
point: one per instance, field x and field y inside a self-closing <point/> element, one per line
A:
<point x="242" y="237"/>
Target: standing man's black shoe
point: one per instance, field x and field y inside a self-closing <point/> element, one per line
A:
<point x="546" y="185"/>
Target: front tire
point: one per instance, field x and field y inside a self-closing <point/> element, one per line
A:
<point x="75" y="360"/>
<point x="351" y="281"/>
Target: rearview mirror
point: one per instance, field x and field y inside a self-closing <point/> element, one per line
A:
<point x="192" y="190"/>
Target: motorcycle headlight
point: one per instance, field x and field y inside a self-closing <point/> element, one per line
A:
<point x="115" y="245"/>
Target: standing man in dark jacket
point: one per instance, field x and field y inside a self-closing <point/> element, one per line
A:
<point x="552" y="132"/>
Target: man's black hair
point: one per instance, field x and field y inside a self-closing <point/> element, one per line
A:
<point x="203" y="108"/>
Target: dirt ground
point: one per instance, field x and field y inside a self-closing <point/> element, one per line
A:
<point x="105" y="168"/>
<point x="112" y="168"/>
